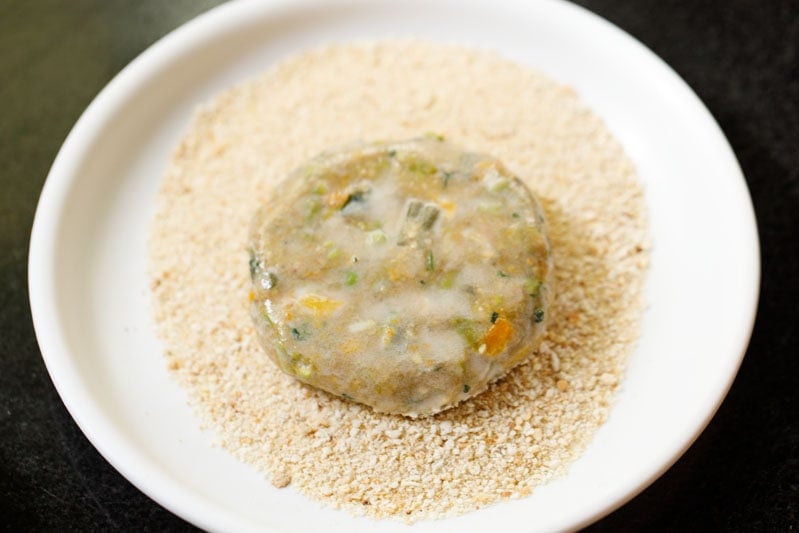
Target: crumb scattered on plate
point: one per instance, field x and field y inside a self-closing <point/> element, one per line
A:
<point x="529" y="426"/>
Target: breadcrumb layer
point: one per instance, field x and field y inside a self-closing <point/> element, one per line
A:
<point x="528" y="427"/>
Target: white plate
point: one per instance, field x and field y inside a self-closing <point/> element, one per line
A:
<point x="89" y="294"/>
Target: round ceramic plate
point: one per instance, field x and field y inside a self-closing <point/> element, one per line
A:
<point x="89" y="293"/>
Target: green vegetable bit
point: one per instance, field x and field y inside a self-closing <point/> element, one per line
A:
<point x="539" y="315"/>
<point x="466" y="388"/>
<point x="419" y="217"/>
<point x="469" y="330"/>
<point x="266" y="280"/>
<point x="300" y="333"/>
<point x="303" y="368"/>
<point x="430" y="261"/>
<point x="448" y="279"/>
<point x="357" y="196"/>
<point x="254" y="266"/>
<point x="312" y="208"/>
<point x="500" y="185"/>
<point x="501" y="274"/>
<point x="351" y="278"/>
<point x="421" y="167"/>
<point x="491" y="208"/>
<point x="321" y="188"/>
<point x="375" y="237"/>
<point x="494" y="317"/>
<point x="532" y="286"/>
<point x="425" y="213"/>
<point x="447" y="176"/>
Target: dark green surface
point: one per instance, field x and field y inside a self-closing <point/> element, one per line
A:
<point x="742" y="58"/>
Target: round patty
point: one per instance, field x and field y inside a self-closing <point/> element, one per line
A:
<point x="406" y="276"/>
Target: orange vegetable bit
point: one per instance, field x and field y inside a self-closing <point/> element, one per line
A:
<point x="320" y="304"/>
<point x="497" y="337"/>
<point x="336" y="199"/>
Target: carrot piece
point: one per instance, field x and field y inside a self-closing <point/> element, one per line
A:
<point x="497" y="337"/>
<point x="319" y="304"/>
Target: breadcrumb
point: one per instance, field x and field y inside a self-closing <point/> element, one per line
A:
<point x="529" y="426"/>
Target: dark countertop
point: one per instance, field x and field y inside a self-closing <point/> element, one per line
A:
<point x="740" y="56"/>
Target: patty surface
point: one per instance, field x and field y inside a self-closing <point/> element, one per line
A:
<point x="406" y="276"/>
